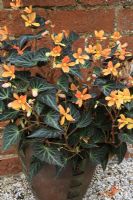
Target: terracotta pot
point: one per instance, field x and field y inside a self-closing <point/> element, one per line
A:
<point x="69" y="185"/>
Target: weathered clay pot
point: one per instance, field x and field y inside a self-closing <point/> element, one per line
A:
<point x="68" y="185"/>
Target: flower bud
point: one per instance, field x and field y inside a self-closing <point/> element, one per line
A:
<point x="6" y="85"/>
<point x="47" y="54"/>
<point x="29" y="113"/>
<point x="45" y="33"/>
<point x="35" y="92"/>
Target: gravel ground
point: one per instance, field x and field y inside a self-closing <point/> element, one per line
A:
<point x="115" y="183"/>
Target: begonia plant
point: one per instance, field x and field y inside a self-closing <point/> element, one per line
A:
<point x="84" y="112"/>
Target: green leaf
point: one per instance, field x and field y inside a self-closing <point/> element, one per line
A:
<point x="40" y="84"/>
<point x="73" y="37"/>
<point x="98" y="155"/>
<point x="97" y="70"/>
<point x="9" y="114"/>
<point x="113" y="50"/>
<point x="25" y="60"/>
<point x="45" y="133"/>
<point x="87" y="64"/>
<point x="129" y="114"/>
<point x="126" y="137"/>
<point x="74" y="138"/>
<point x="100" y="82"/>
<point x="2" y="106"/>
<point x="20" y="86"/>
<point x="48" y="154"/>
<point x="105" y="162"/>
<point x="129" y="106"/>
<point x="97" y="137"/>
<point x="48" y="99"/>
<point x="84" y="132"/>
<point x="75" y="71"/>
<point x="4" y="93"/>
<point x="24" y="38"/>
<point x="84" y="120"/>
<point x="35" y="166"/>
<point x="52" y="119"/>
<point x="63" y="83"/>
<point x="11" y="136"/>
<point x="88" y="131"/>
<point x="40" y="55"/>
<point x="121" y="152"/>
<point x="39" y="107"/>
<point x="40" y="20"/>
<point x="39" y="34"/>
<point x="107" y="88"/>
<point x="100" y="121"/>
<point x="23" y="75"/>
<point x="88" y="145"/>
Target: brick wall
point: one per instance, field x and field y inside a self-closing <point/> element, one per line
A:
<point x="77" y="15"/>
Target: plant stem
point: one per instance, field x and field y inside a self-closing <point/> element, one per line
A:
<point x="26" y="128"/>
<point x="113" y="123"/>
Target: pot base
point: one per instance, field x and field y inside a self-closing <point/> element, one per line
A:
<point x="67" y="186"/>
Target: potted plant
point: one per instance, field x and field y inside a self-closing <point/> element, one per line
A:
<point x="75" y="110"/>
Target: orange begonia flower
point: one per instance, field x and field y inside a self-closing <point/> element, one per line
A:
<point x="118" y="98"/>
<point x="30" y="19"/>
<point x="9" y="71"/>
<point x="106" y="52"/>
<point x="56" y="51"/>
<point x="90" y="49"/>
<point x="3" y="33"/>
<point x="126" y="95"/>
<point x="121" y="52"/>
<point x="65" y="64"/>
<point x="98" y="51"/>
<point x="111" y="69"/>
<point x="100" y="35"/>
<point x="114" y="99"/>
<point x="82" y="96"/>
<point x="15" y="4"/>
<point x="65" y="115"/>
<point x="101" y="52"/>
<point x="80" y="57"/>
<point x="58" y="39"/>
<point x="20" y="103"/>
<point x="116" y="36"/>
<point x="130" y="123"/>
<point x="59" y="95"/>
<point x="123" y="121"/>
<point x="28" y="10"/>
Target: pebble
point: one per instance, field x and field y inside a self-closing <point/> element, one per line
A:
<point x="116" y="176"/>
